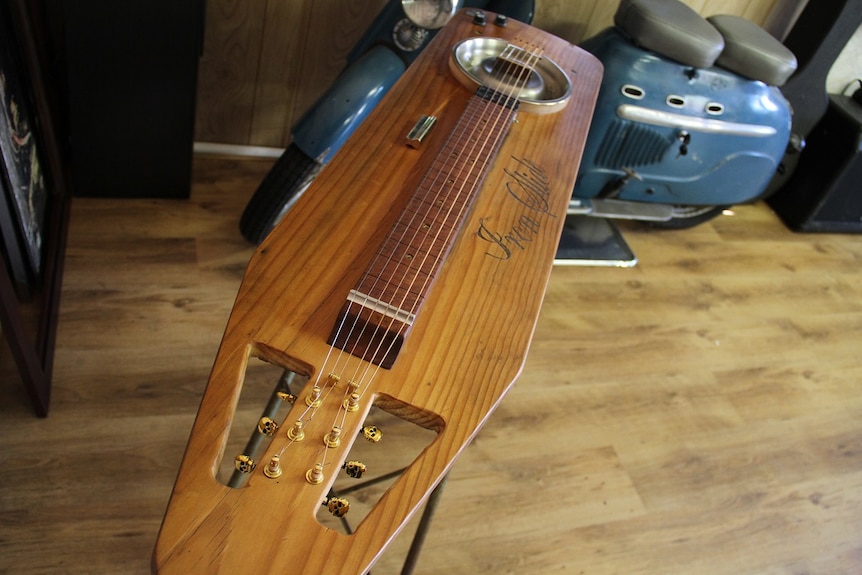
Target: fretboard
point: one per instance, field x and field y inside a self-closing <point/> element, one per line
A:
<point x="384" y="303"/>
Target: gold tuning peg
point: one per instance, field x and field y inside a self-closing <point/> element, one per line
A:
<point x="244" y="464"/>
<point x="267" y="426"/>
<point x="352" y="402"/>
<point x="337" y="506"/>
<point x="372" y="433"/>
<point x="333" y="438"/>
<point x="273" y="468"/>
<point x="313" y="398"/>
<point x="296" y="433"/>
<point x="354" y="469"/>
<point x="315" y="474"/>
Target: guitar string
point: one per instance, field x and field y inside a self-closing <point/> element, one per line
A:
<point x="364" y="367"/>
<point x="485" y="147"/>
<point x="452" y="232"/>
<point x="407" y="227"/>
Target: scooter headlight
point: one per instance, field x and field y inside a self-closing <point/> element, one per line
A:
<point x="430" y="14"/>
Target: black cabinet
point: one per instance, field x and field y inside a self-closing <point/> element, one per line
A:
<point x="131" y="71"/>
<point x="824" y="193"/>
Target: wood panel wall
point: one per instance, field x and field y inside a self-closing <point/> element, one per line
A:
<point x="266" y="61"/>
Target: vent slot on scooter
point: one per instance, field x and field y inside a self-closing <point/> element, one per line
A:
<point x="627" y="145"/>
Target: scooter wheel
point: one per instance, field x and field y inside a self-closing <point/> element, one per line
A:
<point x="280" y="188"/>
<point x="685" y="217"/>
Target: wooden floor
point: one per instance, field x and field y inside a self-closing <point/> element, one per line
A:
<point x="700" y="413"/>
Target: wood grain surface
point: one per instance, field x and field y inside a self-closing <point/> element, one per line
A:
<point x="699" y="413"/>
<point x="463" y="352"/>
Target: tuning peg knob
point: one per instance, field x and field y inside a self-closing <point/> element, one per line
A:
<point x="338" y="506"/>
<point x="372" y="433"/>
<point x="267" y="426"/>
<point x="244" y="464"/>
<point x="355" y="469"/>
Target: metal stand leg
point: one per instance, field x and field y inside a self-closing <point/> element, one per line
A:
<point x="422" y="529"/>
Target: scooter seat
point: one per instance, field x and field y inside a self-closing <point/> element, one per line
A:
<point x="751" y="51"/>
<point x="671" y="29"/>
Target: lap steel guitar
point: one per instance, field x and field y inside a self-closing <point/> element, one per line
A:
<point x="408" y="277"/>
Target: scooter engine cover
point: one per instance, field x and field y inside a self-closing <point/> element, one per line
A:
<point x="693" y="136"/>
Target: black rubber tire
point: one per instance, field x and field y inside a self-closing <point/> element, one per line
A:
<point x="682" y="221"/>
<point x="282" y="186"/>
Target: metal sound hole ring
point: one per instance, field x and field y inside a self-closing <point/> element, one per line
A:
<point x="547" y="90"/>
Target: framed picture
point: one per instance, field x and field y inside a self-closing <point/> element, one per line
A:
<point x="12" y="247"/>
<point x="34" y="201"/>
<point x="24" y="188"/>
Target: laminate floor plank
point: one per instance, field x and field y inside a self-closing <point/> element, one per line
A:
<point x="698" y="413"/>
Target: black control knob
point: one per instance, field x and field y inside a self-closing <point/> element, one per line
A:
<point x="685" y="139"/>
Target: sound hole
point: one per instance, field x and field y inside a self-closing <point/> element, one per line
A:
<point x="479" y="62"/>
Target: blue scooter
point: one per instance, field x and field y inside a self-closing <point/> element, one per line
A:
<point x="690" y="117"/>
<point x="399" y="33"/>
